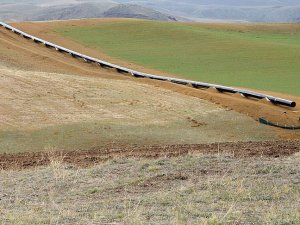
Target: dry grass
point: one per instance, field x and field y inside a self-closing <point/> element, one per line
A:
<point x="216" y="189"/>
<point x="38" y="109"/>
<point x="56" y="159"/>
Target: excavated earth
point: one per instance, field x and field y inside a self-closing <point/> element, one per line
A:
<point x="86" y="158"/>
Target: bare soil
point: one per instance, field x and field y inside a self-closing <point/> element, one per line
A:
<point x="87" y="158"/>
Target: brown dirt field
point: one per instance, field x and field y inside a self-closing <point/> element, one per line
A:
<point x="87" y="158"/>
<point x="253" y="108"/>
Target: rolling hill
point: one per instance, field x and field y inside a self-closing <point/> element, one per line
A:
<point x="251" y="11"/>
<point x="63" y="10"/>
<point x="52" y="99"/>
<point x="78" y="11"/>
<point x="167" y="10"/>
<point x="136" y="11"/>
<point x="232" y="67"/>
<point x="83" y="144"/>
<point x="261" y="57"/>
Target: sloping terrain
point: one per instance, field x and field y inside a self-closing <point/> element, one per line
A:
<point x="51" y="102"/>
<point x="52" y="106"/>
<point x="31" y="10"/>
<point x="96" y="10"/>
<point x="43" y="10"/>
<point x="253" y="11"/>
<point x="228" y="10"/>
<point x="76" y="11"/>
<point x="135" y="11"/>
<point x="258" y="108"/>
<point x="255" y="109"/>
<point x="263" y="57"/>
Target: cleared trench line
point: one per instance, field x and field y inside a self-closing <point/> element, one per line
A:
<point x="137" y="74"/>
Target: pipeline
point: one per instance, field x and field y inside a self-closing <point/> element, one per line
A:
<point x="137" y="74"/>
<point x="266" y="122"/>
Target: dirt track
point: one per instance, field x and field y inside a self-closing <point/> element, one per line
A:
<point x="91" y="157"/>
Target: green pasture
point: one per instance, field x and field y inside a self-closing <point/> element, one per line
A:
<point x="263" y="60"/>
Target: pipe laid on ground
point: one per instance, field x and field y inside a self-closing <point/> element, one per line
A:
<point x="194" y="84"/>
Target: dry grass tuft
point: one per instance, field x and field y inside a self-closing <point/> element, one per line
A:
<point x="56" y="162"/>
<point x="203" y="189"/>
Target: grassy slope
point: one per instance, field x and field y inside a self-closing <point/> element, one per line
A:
<point x="258" y="58"/>
<point x="185" y="190"/>
<point x="74" y="112"/>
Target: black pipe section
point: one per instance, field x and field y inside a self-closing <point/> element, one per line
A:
<point x="284" y="102"/>
<point x="160" y="78"/>
<point x="200" y="86"/>
<point x="226" y="90"/>
<point x="49" y="46"/>
<point x="105" y="66"/>
<point x="16" y="32"/>
<point x="266" y="122"/>
<point x="87" y="60"/>
<point x="62" y="50"/>
<point x="26" y="36"/>
<point x="121" y="70"/>
<point x="75" y="55"/>
<point x="251" y="95"/>
<point x="37" y="41"/>
<point x="138" y="75"/>
<point x="91" y="61"/>
<point x="179" y="82"/>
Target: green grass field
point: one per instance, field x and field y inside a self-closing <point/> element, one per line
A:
<point x="259" y="58"/>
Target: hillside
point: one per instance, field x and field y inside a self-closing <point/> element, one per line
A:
<point x="135" y="11"/>
<point x="251" y="11"/>
<point x="257" y="110"/>
<point x="63" y="10"/>
<point x="52" y="99"/>
<point x="83" y="144"/>
<point x="77" y="11"/>
<point x="261" y="57"/>
<point x="267" y="14"/>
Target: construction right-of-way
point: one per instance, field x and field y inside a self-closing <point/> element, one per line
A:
<point x="120" y="69"/>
